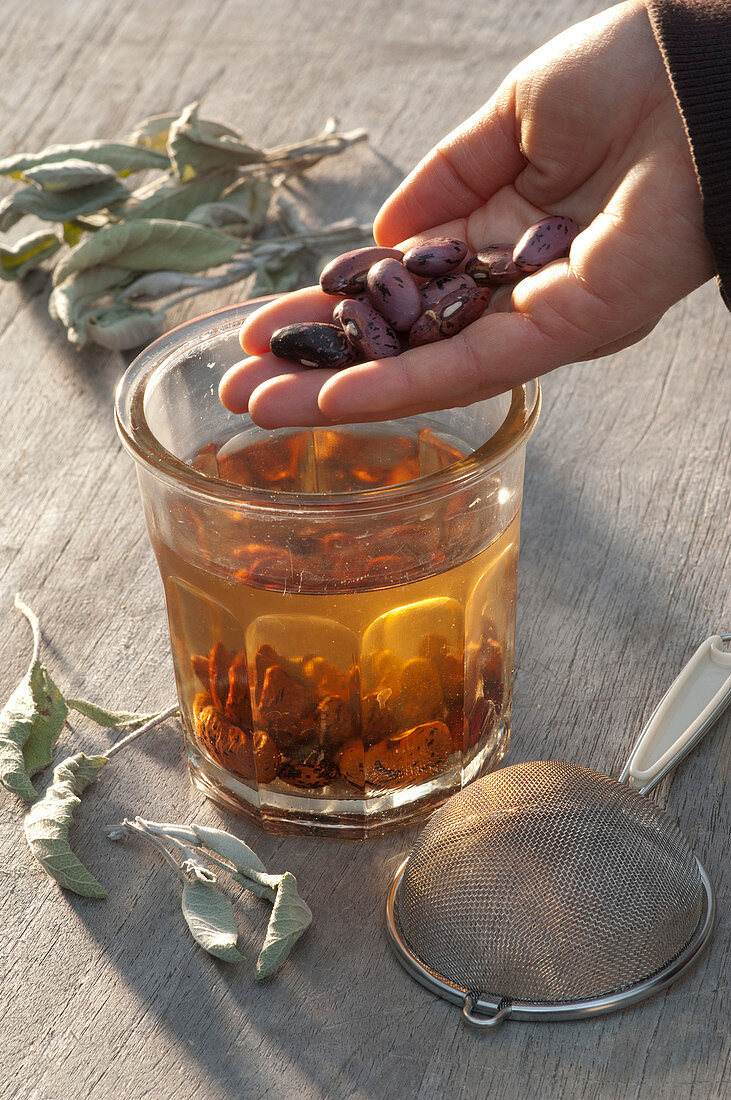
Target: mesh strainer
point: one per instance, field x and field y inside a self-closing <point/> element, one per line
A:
<point x="547" y="890"/>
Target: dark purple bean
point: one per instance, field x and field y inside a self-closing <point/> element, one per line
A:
<point x="436" y="256"/>
<point x="493" y="266"/>
<point x="449" y="316"/>
<point x="547" y="240"/>
<point x="394" y="293"/>
<point x="312" y="345"/>
<point x="368" y="332"/>
<point x="438" y="288"/>
<point x="346" y="274"/>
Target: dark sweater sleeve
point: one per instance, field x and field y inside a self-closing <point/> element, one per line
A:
<point x="694" y="37"/>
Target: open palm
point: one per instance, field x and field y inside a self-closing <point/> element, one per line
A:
<point x="586" y="126"/>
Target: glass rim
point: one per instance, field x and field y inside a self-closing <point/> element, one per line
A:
<point x="140" y="441"/>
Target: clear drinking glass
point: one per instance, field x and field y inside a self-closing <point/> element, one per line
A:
<point x="341" y="600"/>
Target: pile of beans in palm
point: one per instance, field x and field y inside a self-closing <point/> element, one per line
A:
<point x="392" y="300"/>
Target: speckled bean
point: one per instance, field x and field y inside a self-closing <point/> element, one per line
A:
<point x="493" y="266"/>
<point x="368" y="332"/>
<point x="547" y="240"/>
<point x="394" y="293"/>
<point x="449" y="316"/>
<point x="313" y="345"/>
<point x="439" y="287"/>
<point x="346" y="274"/>
<point x="436" y="256"/>
<point x="354" y="298"/>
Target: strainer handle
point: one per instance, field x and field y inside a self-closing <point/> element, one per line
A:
<point x="692" y="704"/>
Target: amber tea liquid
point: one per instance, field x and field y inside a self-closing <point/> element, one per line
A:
<point x="340" y="673"/>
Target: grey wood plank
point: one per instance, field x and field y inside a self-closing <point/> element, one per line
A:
<point x="624" y="569"/>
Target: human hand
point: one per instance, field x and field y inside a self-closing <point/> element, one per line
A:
<point x="588" y="127"/>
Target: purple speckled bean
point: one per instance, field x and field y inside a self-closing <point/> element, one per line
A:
<point x="313" y="344"/>
<point x="547" y="240"/>
<point x="355" y="298"/>
<point x="439" y="287"/>
<point x="493" y="266"/>
<point x="368" y="332"/>
<point x="436" y="256"/>
<point x="346" y="274"/>
<point x="449" y="316"/>
<point x="394" y="293"/>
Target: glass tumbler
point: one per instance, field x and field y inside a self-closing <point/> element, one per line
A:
<point x="341" y="599"/>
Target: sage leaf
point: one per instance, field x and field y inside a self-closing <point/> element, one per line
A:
<point x="60" y="206"/>
<point x="196" y="146"/>
<point x="152" y="133"/>
<point x="35" y="713"/>
<point x="47" y="825"/>
<point x="242" y="210"/>
<point x="278" y="274"/>
<point x="17" y="260"/>
<point x="184" y="833"/>
<point x="148" y="245"/>
<point x="290" y="918"/>
<point x="118" y="155"/>
<point x="66" y="175"/>
<point x="230" y="847"/>
<point x="51" y="713"/>
<point x="158" y="284"/>
<point x="123" y="326"/>
<point x="72" y="232"/>
<point x="210" y="918"/>
<point x="73" y="297"/>
<point x="109" y="719"/>
<point x="174" y="201"/>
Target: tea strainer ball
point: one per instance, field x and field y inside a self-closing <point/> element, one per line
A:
<point x="550" y="891"/>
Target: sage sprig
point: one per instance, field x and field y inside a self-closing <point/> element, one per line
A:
<point x="34" y="715"/>
<point x="48" y="822"/>
<point x="207" y="912"/>
<point x="206" y="209"/>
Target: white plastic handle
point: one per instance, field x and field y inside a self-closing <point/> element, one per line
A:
<point x="685" y="714"/>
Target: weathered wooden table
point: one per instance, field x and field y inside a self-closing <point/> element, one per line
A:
<point x="624" y="570"/>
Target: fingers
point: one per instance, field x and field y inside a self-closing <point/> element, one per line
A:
<point x="274" y="392"/>
<point x="289" y="399"/>
<point x="460" y="174"/>
<point x="310" y="304"/>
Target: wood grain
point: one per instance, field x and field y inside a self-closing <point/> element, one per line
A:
<point x="624" y="570"/>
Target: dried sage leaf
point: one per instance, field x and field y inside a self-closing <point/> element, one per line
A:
<point x="118" y="155"/>
<point x="17" y="260"/>
<point x="47" y="825"/>
<point x="230" y="847"/>
<point x="174" y="201"/>
<point x="242" y="210"/>
<point x="147" y="245"/>
<point x="109" y="719"/>
<point x="278" y="274"/>
<point x="152" y="133"/>
<point x="66" y="175"/>
<point x="35" y="714"/>
<point x="60" y="206"/>
<point x="158" y="284"/>
<point x="52" y="711"/>
<point x="123" y="326"/>
<point x="290" y="918"/>
<point x="210" y="918"/>
<point x="73" y="297"/>
<point x="197" y="145"/>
